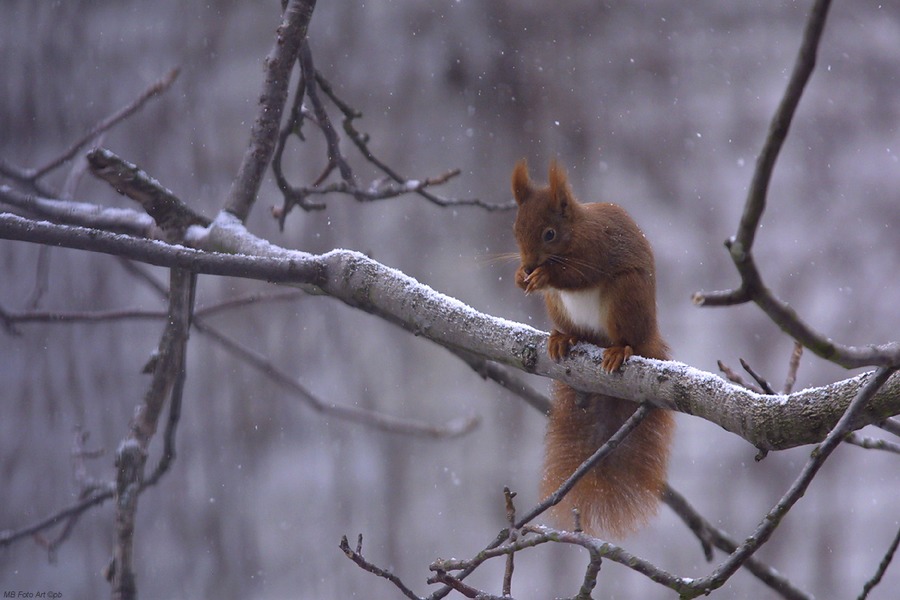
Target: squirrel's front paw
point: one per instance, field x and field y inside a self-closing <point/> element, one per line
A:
<point x="614" y="357"/>
<point x="538" y="279"/>
<point x="522" y="277"/>
<point x="559" y="343"/>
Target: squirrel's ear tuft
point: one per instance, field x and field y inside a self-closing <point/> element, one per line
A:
<point x="559" y="186"/>
<point x="521" y="185"/>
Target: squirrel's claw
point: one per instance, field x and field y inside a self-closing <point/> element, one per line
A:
<point x="559" y="344"/>
<point x="537" y="280"/>
<point x="614" y="357"/>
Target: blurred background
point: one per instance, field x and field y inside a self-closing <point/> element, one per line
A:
<point x="659" y="106"/>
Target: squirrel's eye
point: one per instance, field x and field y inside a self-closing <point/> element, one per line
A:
<point x="549" y="234"/>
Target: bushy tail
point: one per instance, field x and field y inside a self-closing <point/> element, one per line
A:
<point x="622" y="492"/>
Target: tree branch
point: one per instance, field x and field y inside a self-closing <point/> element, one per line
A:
<point x="773" y="518"/>
<point x="30" y="177"/>
<point x="710" y="535"/>
<point x="131" y="455"/>
<point x="740" y="246"/>
<point x="171" y="215"/>
<point x="264" y="133"/>
<point x="767" y="422"/>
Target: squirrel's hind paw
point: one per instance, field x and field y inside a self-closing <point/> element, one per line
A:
<point x="614" y="357"/>
<point x="559" y="344"/>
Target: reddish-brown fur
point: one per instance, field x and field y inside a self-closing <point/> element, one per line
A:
<point x="594" y="257"/>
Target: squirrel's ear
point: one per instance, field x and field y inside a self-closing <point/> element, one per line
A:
<point x="521" y="185"/>
<point x="559" y="187"/>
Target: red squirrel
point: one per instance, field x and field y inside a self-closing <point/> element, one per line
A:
<point x="595" y="269"/>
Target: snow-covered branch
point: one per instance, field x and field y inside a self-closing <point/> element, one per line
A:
<point x="227" y="248"/>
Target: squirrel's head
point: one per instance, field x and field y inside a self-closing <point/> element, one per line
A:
<point x="545" y="218"/>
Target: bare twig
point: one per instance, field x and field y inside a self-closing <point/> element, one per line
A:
<point x="536" y="535"/>
<point x="264" y="133"/>
<point x="882" y="567"/>
<point x="335" y="158"/>
<point x="94" y="316"/>
<point x="760" y="380"/>
<point x="97" y="497"/>
<point x="31" y="177"/>
<point x="293" y="126"/>
<point x="590" y="575"/>
<point x="177" y="393"/>
<point x="692" y="519"/>
<point x="735" y="377"/>
<point x="361" y="141"/>
<point x="392" y="186"/>
<point x="891" y="426"/>
<point x="357" y="557"/>
<point x="370" y="418"/>
<point x="872" y="444"/>
<point x="793" y="367"/>
<point x="154" y="90"/>
<point x="611" y="444"/>
<point x="513" y="535"/>
<point x="710" y="535"/>
<point x="503" y="377"/>
<point x="131" y="455"/>
<point x="87" y="488"/>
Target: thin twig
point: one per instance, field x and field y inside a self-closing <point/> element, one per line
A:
<point x="793" y="367"/>
<point x="608" y="447"/>
<point x="735" y="377"/>
<point x="513" y="535"/>
<point x="392" y="186"/>
<point x="361" y="141"/>
<point x="872" y="443"/>
<point x="95" y="316"/>
<point x="506" y="379"/>
<point x="760" y="380"/>
<point x="710" y="535"/>
<point x="882" y="567"/>
<point x="536" y="535"/>
<point x="31" y="177"/>
<point x="154" y="90"/>
<point x="357" y="557"/>
<point x="87" y="486"/>
<point x="176" y="397"/>
<point x="388" y="423"/>
<point x="691" y="518"/>
<point x="332" y="142"/>
<point x="891" y="426"/>
<point x="97" y="497"/>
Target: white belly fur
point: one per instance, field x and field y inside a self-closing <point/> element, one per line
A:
<point x="585" y="308"/>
